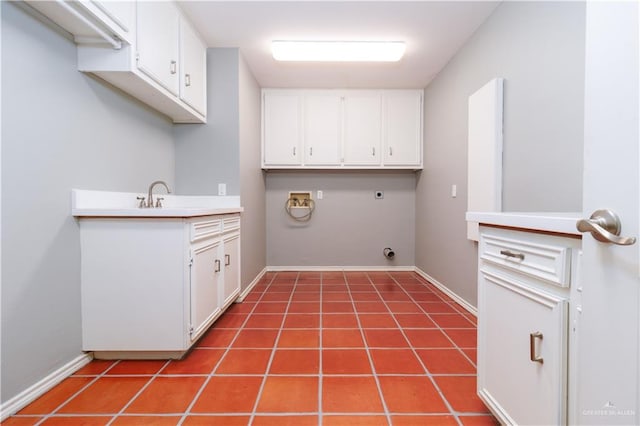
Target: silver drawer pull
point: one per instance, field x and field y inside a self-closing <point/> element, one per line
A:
<point x="217" y="264"/>
<point x="509" y="253"/>
<point x="532" y="347"/>
<point x="227" y="259"/>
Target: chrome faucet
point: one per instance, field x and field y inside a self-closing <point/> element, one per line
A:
<point x="150" y="195"/>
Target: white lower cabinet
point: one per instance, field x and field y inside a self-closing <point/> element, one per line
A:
<point x="523" y="324"/>
<point x="150" y="287"/>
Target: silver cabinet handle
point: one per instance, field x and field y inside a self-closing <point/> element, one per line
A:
<point x="174" y="66"/>
<point x="294" y="150"/>
<point x="605" y="227"/>
<point x="532" y="347"/>
<point x="187" y="80"/>
<point x="390" y="151"/>
<point x="509" y="253"/>
<point x="217" y="263"/>
<point x="311" y="151"/>
<point x="227" y="260"/>
<point x="373" y="151"/>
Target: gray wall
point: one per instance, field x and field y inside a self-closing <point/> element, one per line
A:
<point x="252" y="181"/>
<point x="227" y="150"/>
<point x="538" y="47"/>
<point x="349" y="226"/>
<point x="61" y="129"/>
<point x="209" y="154"/>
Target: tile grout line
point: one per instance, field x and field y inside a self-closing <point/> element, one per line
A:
<point x="273" y="351"/>
<point x="187" y="411"/>
<point x="368" y="351"/>
<point x="137" y="394"/>
<point x="437" y="326"/>
<point x="428" y="373"/>
<point x="53" y="413"/>
<point x="320" y="364"/>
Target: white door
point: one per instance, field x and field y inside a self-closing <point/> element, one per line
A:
<point x="157" y="42"/>
<point x="608" y="328"/>
<point x="282" y="129"/>
<point x="231" y="287"/>
<point x="193" y="58"/>
<point x="402" y="127"/>
<point x="206" y="271"/>
<point x="322" y="128"/>
<point x="362" y="128"/>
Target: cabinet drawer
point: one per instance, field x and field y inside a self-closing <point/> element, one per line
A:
<point x="205" y="229"/>
<point x="549" y="262"/>
<point x="231" y="224"/>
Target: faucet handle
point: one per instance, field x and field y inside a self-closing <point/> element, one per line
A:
<point x="141" y="204"/>
<point x="159" y="201"/>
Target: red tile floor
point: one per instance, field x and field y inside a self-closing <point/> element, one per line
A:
<point x="304" y="348"/>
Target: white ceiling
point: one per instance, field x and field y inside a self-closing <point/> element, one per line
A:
<point x="433" y="31"/>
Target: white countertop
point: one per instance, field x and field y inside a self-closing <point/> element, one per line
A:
<point x="564" y="223"/>
<point x="85" y="203"/>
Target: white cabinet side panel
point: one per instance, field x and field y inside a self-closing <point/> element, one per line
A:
<point x="131" y="300"/>
<point x="485" y="152"/>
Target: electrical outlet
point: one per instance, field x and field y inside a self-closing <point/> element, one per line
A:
<point x="319" y="195"/>
<point x="222" y="189"/>
<point x="379" y="195"/>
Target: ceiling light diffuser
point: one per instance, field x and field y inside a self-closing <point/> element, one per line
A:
<point x="337" y="51"/>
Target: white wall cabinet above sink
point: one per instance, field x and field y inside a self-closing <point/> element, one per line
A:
<point x="147" y="49"/>
<point x="334" y="129"/>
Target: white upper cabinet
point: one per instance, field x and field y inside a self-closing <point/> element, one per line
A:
<point x="158" y="42"/>
<point x="362" y="128"/>
<point x="109" y="23"/>
<point x="402" y="128"/>
<point x="322" y="128"/>
<point x="148" y="49"/>
<point x="121" y="13"/>
<point x="193" y="72"/>
<point x="355" y="129"/>
<point x="281" y="128"/>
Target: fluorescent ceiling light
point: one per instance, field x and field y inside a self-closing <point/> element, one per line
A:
<point x="338" y="51"/>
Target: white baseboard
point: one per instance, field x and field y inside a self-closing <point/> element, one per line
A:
<point x="472" y="309"/>
<point x="33" y="392"/>
<point x="338" y="268"/>
<point x="252" y="284"/>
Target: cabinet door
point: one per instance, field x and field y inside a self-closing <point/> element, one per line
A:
<point x="231" y="287"/>
<point x="515" y="324"/>
<point x="193" y="62"/>
<point x="322" y="128"/>
<point x="117" y="16"/>
<point x="362" y="128"/>
<point x="282" y="130"/>
<point x="402" y="128"/>
<point x="206" y="272"/>
<point x="157" y="42"/>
